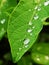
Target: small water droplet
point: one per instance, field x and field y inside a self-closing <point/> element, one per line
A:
<point x="36" y="17"/>
<point x="3" y="21"/>
<point x="26" y="46"/>
<point x="29" y="30"/>
<point x="47" y="57"/>
<point x="30" y="23"/>
<point x="46" y="3"/>
<point x="26" y="41"/>
<point x="36" y="7"/>
<point x="39" y="9"/>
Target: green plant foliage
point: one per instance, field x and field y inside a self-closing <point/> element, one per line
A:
<point x="23" y="20"/>
<point x="40" y="53"/>
<point x="24" y="25"/>
<point x="6" y="6"/>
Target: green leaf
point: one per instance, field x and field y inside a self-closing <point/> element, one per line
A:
<point x="40" y="53"/>
<point x="24" y="26"/>
<point x="5" y="6"/>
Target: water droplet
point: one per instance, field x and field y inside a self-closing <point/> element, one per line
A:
<point x="29" y="30"/>
<point x="30" y="23"/>
<point x="46" y="3"/>
<point x="39" y="9"/>
<point x="26" y="41"/>
<point x="26" y="46"/>
<point x="36" y="7"/>
<point x="3" y="21"/>
<point x="47" y="57"/>
<point x="29" y="9"/>
<point x="36" y="17"/>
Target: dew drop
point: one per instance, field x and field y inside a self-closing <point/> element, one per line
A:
<point x="30" y="23"/>
<point x="26" y="41"/>
<point x="26" y="46"/>
<point x="29" y="30"/>
<point x="36" y="17"/>
<point x="46" y="3"/>
<point x="39" y="9"/>
<point x="3" y="21"/>
<point x="36" y="7"/>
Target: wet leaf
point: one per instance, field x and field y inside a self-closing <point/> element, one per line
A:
<point x="24" y="25"/>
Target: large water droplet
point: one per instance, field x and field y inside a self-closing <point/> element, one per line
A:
<point x="29" y="30"/>
<point x="26" y="41"/>
<point x="3" y="21"/>
<point x="46" y="3"/>
<point x="36" y="17"/>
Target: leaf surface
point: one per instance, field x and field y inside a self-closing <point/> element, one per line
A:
<point x="5" y="5"/>
<point x="24" y="25"/>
